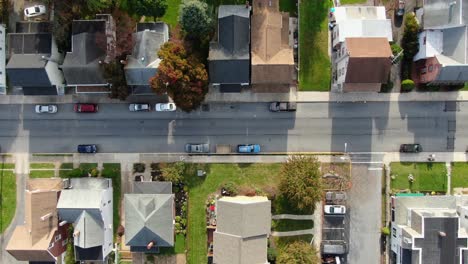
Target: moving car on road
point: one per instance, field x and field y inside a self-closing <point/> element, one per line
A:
<point x="139" y="107"/>
<point x="334" y="209"/>
<point x="249" y="148"/>
<point x="90" y="148"/>
<point x="167" y="107"/>
<point x="35" y="10"/>
<point x="283" y="107"/>
<point x="86" y="108"/>
<point x="410" y="148"/>
<point x="49" y="109"/>
<point x="197" y="148"/>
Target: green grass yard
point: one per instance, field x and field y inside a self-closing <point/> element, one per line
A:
<point x="88" y="166"/>
<point x="66" y="166"/>
<point x="283" y="241"/>
<point x="428" y="176"/>
<point x="41" y="166"/>
<point x="459" y="175"/>
<point x="284" y="225"/>
<point x="112" y="171"/>
<point x="8" y="198"/>
<point x="7" y="166"/>
<point x="179" y="247"/>
<point x="252" y="175"/>
<point x="41" y="174"/>
<point x="288" y="6"/>
<point x="172" y="13"/>
<point x="314" y="64"/>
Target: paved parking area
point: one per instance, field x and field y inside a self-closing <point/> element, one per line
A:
<point x="364" y="213"/>
<point x="333" y="228"/>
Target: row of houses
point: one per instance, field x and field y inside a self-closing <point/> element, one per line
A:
<point x="53" y="206"/>
<point x="36" y="67"/>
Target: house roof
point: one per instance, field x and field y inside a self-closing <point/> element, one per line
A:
<point x="30" y="43"/>
<point x="442" y="13"/>
<point x="89" y="226"/>
<point x="30" y="242"/>
<point x="154" y="187"/>
<point x="149" y="217"/>
<point x="81" y="65"/>
<point x="2" y="59"/>
<point x="345" y="13"/>
<point x="229" y="54"/>
<point x="152" y="26"/>
<point x="369" y="60"/>
<point x="243" y="224"/>
<point x="142" y="64"/>
<point x="365" y="28"/>
<point x="33" y="27"/>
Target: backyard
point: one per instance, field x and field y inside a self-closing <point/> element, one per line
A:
<point x="314" y="62"/>
<point x="8" y="195"/>
<point x="459" y="176"/>
<point x="253" y="176"/>
<point x="428" y="177"/>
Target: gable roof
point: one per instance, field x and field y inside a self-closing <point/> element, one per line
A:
<point x="30" y="242"/>
<point x="159" y="187"/>
<point x="443" y="13"/>
<point x="88" y="227"/>
<point x="142" y="64"/>
<point x="365" y="28"/>
<point x="369" y="60"/>
<point x="149" y="217"/>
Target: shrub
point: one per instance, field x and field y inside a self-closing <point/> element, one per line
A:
<point x="407" y="85"/>
<point x="94" y="172"/>
<point x="272" y="254"/>
<point x="396" y="49"/>
<point x="385" y="230"/>
<point x="230" y="189"/>
<point x="139" y="167"/>
<point x="76" y="173"/>
<point x="386" y="87"/>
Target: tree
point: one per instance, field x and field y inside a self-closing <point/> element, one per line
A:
<point x="409" y="43"/>
<point x="115" y="75"/>
<point x="96" y="5"/>
<point x="298" y="252"/>
<point x="70" y="252"/>
<point x="174" y="172"/>
<point x="407" y="85"/>
<point x="125" y="26"/>
<point x="301" y="181"/>
<point x="194" y="18"/>
<point x="181" y="76"/>
<point x="154" y="8"/>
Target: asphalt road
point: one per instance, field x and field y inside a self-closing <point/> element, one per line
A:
<point x="365" y="127"/>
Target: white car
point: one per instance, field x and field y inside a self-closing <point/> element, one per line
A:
<point x="35" y="10"/>
<point x="335" y="209"/>
<point x="49" y="109"/>
<point x="168" y="107"/>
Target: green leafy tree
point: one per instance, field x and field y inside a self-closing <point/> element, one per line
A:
<point x="183" y="77"/>
<point x="96" y="5"/>
<point x="173" y="172"/>
<point x="301" y="181"/>
<point x="194" y="18"/>
<point x="114" y="74"/>
<point x="298" y="252"/>
<point x="409" y="43"/>
<point x="154" y="8"/>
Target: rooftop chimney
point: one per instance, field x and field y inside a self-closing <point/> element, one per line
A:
<point x="62" y="223"/>
<point x="45" y="217"/>
<point x="150" y="245"/>
<point x="76" y="233"/>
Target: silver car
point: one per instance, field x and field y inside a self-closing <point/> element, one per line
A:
<point x="197" y="148"/>
<point x="139" y="107"/>
<point x="49" y="109"/>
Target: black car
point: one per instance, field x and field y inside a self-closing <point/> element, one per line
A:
<point x="410" y="148"/>
<point x="87" y="148"/>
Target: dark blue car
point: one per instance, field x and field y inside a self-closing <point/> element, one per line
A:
<point x="249" y="148"/>
<point x="87" y="148"/>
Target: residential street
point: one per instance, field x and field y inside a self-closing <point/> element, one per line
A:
<point x="365" y="127"/>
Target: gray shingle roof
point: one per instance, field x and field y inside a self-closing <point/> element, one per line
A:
<point x="229" y="54"/>
<point x="89" y="227"/>
<point x="155" y="187"/>
<point x="442" y="13"/>
<point x="149" y="217"/>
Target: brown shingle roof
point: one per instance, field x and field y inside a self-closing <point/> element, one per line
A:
<point x="30" y="241"/>
<point x="369" y="60"/>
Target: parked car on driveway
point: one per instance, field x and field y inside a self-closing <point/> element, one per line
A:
<point x="283" y="107"/>
<point x="35" y="10"/>
<point x="197" y="148"/>
<point x="167" y="107"/>
<point x="334" y="209"/>
<point x="139" y="107"/>
<point x="86" y="108"/>
<point x="49" y="109"/>
<point x="249" y="148"/>
<point x="335" y="197"/>
<point x="410" y="148"/>
<point x="90" y="148"/>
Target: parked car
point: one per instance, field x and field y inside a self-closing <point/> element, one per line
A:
<point x="401" y="8"/>
<point x="335" y="196"/>
<point x="197" y="148"/>
<point x="334" y="209"/>
<point x="249" y="148"/>
<point x="86" y="108"/>
<point x="283" y="106"/>
<point x="49" y="109"/>
<point x="139" y="107"/>
<point x="410" y="148"/>
<point x="35" y="10"/>
<point x="90" y="148"/>
<point x="167" y="107"/>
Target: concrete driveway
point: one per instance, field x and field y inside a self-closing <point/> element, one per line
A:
<point x="364" y="212"/>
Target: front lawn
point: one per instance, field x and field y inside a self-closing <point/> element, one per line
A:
<point x="41" y="166"/>
<point x="288" y="6"/>
<point x="179" y="247"/>
<point x="251" y="175"/>
<point x="284" y="225"/>
<point x="41" y="174"/>
<point x="352" y="2"/>
<point x="459" y="176"/>
<point x="7" y="166"/>
<point x="112" y="171"/>
<point x="284" y="241"/>
<point x="7" y="198"/>
<point x="427" y="176"/>
<point x="171" y="16"/>
<point x="314" y="62"/>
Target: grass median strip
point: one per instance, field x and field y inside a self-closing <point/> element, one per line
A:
<point x="7" y="166"/>
<point x="41" y="174"/>
<point x="8" y="198"/>
<point x="285" y="225"/>
<point x="41" y="166"/>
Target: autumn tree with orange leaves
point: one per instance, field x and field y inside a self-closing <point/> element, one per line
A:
<point x="182" y="76"/>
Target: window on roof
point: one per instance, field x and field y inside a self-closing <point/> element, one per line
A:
<point x="423" y="70"/>
<point x="431" y="67"/>
<point x="58" y="237"/>
<point x="51" y="245"/>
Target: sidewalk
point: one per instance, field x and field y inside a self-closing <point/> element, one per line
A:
<point x="247" y="97"/>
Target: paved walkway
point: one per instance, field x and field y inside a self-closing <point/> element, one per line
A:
<point x="293" y="233"/>
<point x="247" y="97"/>
<point x="293" y="217"/>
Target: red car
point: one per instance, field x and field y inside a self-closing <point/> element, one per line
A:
<point x="86" y="108"/>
